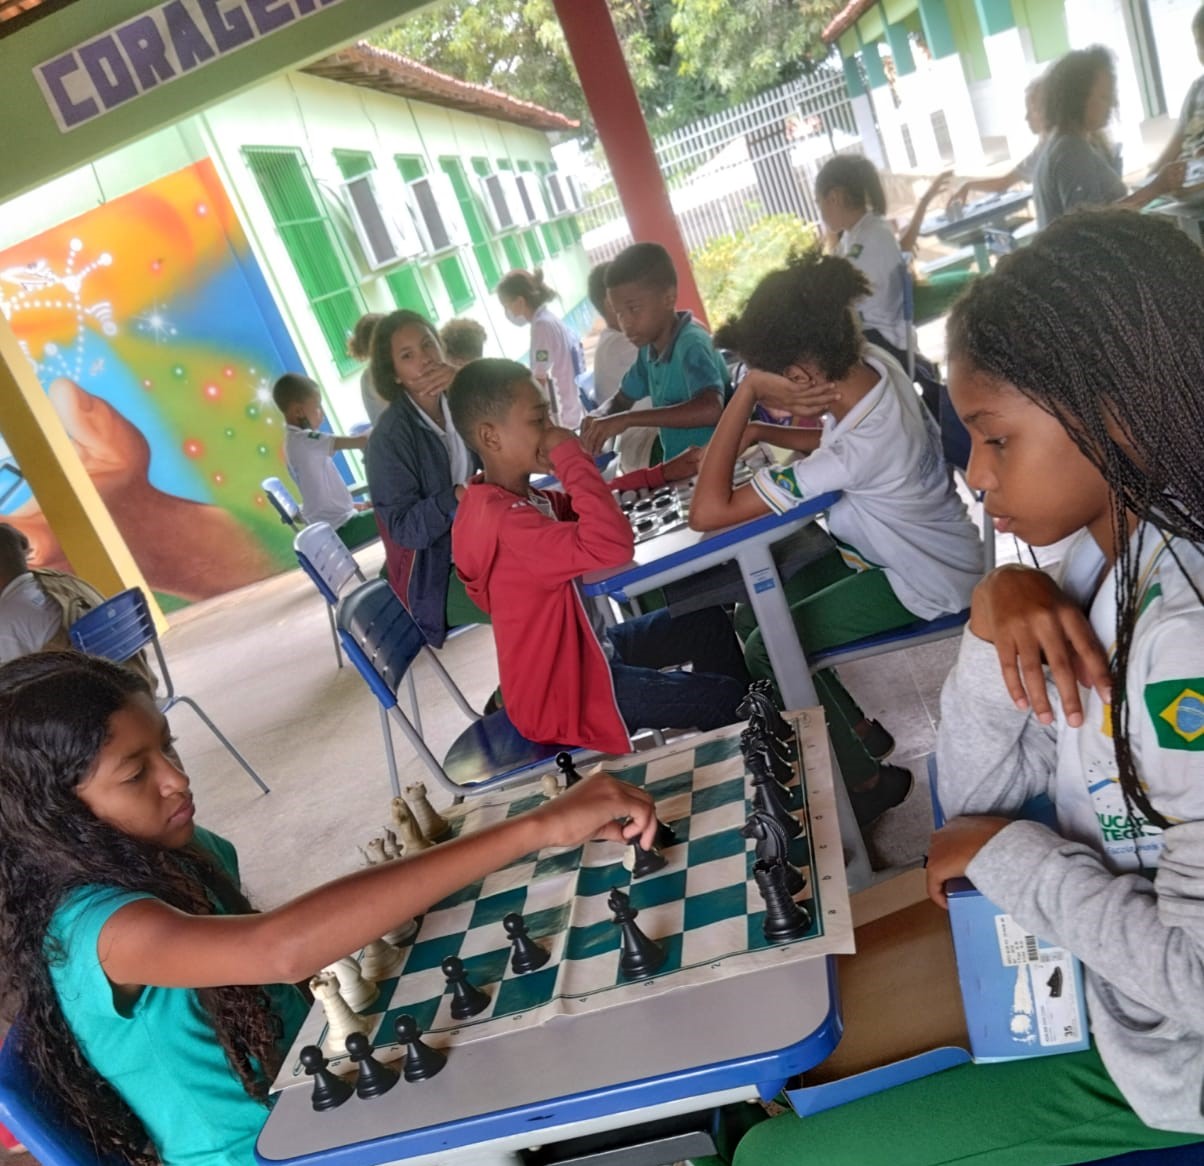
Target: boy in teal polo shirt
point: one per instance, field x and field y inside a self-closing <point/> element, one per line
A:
<point x="678" y="367"/>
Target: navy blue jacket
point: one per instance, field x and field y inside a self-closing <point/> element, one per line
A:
<point x="409" y="479"/>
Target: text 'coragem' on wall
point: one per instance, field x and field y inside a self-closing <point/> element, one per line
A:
<point x="147" y="51"/>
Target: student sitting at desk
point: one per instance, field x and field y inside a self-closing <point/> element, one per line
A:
<point x="677" y="368"/>
<point x="520" y="551"/>
<point x="1080" y="95"/>
<point x="1187" y="142"/>
<point x="1083" y="419"/>
<point x="906" y="548"/>
<point x="154" y="1003"/>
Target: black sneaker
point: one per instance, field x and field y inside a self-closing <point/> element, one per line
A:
<point x="892" y="789"/>
<point x="879" y="744"/>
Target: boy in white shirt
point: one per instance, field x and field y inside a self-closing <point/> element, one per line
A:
<point x="308" y="453"/>
<point x="614" y="354"/>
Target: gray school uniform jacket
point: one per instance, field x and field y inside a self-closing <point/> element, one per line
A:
<point x="1136" y="923"/>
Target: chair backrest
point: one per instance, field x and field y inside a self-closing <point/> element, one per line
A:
<point x="117" y="629"/>
<point x="282" y="500"/>
<point x="909" y="292"/>
<point x="26" y="1111"/>
<point x="326" y="560"/>
<point x="379" y="636"/>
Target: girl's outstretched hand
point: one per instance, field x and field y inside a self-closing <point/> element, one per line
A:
<point x="598" y="806"/>
<point x="1032" y="623"/>
<point x="954" y="846"/>
<point x="799" y="397"/>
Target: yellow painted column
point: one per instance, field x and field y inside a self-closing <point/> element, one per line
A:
<point x="73" y="508"/>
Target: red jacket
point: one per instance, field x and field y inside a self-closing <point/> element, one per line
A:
<point x="520" y="567"/>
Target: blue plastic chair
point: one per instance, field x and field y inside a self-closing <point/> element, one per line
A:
<point x="330" y="566"/>
<point x="120" y="628"/>
<point x="283" y="502"/>
<point x="382" y="640"/>
<point x="27" y="1112"/>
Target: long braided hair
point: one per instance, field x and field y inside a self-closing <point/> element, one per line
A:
<point x="55" y="709"/>
<point x="1098" y="322"/>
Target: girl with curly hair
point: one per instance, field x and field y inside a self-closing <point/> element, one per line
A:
<point x="151" y="1002"/>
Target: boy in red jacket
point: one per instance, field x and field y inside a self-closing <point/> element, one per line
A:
<point x="520" y="551"/>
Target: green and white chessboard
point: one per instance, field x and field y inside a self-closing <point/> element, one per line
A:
<point x="703" y="906"/>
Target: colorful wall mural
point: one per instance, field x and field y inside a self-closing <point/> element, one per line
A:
<point x="153" y="332"/>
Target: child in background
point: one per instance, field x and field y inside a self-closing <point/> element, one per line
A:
<point x="557" y="358"/>
<point x="308" y="452"/>
<point x="519" y="552"/>
<point x="614" y="354"/>
<point x="417" y="467"/>
<point x="154" y="1003"/>
<point x="463" y="340"/>
<point x="906" y="549"/>
<point x="359" y="347"/>
<point x="678" y="367"/>
<point x="1084" y="417"/>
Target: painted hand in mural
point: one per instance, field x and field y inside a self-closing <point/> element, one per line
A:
<point x="185" y="548"/>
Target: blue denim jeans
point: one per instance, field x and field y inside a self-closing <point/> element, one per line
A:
<point x="705" y="698"/>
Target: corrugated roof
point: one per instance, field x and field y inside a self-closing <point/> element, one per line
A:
<point x="846" y="18"/>
<point x="373" y="68"/>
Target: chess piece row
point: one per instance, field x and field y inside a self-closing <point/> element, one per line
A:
<point x="373" y="1077"/>
<point x="416" y="826"/>
<point x="773" y="823"/>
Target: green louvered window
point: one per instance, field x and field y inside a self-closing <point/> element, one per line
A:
<point x="409" y="290"/>
<point x="309" y="238"/>
<point x="478" y="230"/>
<point x="353" y="163"/>
<point x="551" y="240"/>
<point x="451" y="270"/>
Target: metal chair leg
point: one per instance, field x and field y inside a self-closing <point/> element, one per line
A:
<point x="390" y="756"/>
<point x="334" y="635"/>
<point x="425" y="755"/>
<point x="412" y="689"/>
<point x="229" y="745"/>
<point x="452" y="687"/>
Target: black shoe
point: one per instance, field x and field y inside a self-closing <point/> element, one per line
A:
<point x="879" y="744"/>
<point x="892" y="789"/>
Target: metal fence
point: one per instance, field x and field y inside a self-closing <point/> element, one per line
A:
<point x="727" y="171"/>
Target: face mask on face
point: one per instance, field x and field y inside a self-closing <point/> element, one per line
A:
<point x="515" y="319"/>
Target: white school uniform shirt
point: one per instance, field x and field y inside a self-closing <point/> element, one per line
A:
<point x="870" y="245"/>
<point x="614" y="354"/>
<point x="458" y="457"/>
<point x="899" y="509"/>
<point x="1165" y="685"/>
<point x="324" y="494"/>
<point x="29" y="618"/>
<point x="556" y="355"/>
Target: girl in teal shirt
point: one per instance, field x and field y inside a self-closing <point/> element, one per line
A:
<point x="154" y="1004"/>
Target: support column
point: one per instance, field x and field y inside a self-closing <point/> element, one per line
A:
<point x="71" y="505"/>
<point x="623" y="132"/>
<point x="863" y="112"/>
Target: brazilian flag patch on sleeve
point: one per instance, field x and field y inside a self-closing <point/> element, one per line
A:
<point x="1176" y="708"/>
<point x="784" y="480"/>
<point x="855" y="251"/>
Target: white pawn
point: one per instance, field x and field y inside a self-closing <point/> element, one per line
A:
<point x="550" y="784"/>
<point x="399" y="935"/>
<point x="379" y="960"/>
<point x="432" y="824"/>
<point x="341" y="1022"/>
<point x="412" y="838"/>
<point x="376" y="851"/>
<point x="357" y="991"/>
<point x="392" y="848"/>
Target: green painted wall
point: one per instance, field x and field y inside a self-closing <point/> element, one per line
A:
<point x="36" y="150"/>
<point x="1046" y="23"/>
<point x="967" y="35"/>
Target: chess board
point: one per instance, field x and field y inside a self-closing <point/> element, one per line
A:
<point x="703" y="906"/>
<point x="655" y="512"/>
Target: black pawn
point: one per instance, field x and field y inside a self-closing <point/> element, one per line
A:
<point x="374" y="1079"/>
<point x="422" y="1061"/>
<point x="467" y="999"/>
<point x="330" y="1091"/>
<point x="639" y="956"/>
<point x="767" y="803"/>
<point x="784" y="918"/>
<point x="646" y="861"/>
<point x="528" y="955"/>
<point x="564" y="762"/>
<point x="665" y="836"/>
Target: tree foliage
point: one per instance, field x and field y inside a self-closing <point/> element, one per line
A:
<point x="686" y="57"/>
